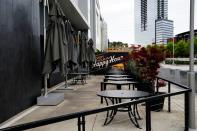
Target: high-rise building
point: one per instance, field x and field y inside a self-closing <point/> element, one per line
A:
<point x="162" y="9"/>
<point x="151" y="22"/>
<point x="163" y="30"/>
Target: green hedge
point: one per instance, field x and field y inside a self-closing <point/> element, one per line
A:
<point x="177" y="62"/>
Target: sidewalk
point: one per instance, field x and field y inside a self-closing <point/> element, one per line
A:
<point x="83" y="97"/>
<point x="180" y="67"/>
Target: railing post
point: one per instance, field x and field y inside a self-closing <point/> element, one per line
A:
<point x="148" y="117"/>
<point x="102" y="90"/>
<point x="169" y="98"/>
<point x="157" y="88"/>
<point x="186" y="111"/>
<point x="81" y="123"/>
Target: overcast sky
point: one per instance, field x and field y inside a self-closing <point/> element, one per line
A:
<point x="119" y="15"/>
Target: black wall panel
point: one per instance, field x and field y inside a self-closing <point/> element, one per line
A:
<point x="20" y="61"/>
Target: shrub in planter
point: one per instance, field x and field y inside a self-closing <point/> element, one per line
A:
<point x="146" y="86"/>
<point x="146" y="61"/>
<point x="157" y="104"/>
<point x="161" y="83"/>
<point x="130" y="69"/>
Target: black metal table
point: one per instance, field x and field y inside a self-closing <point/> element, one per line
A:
<point x="116" y="76"/>
<point x="117" y="83"/>
<point x="115" y="97"/>
<point x="117" y="79"/>
<point x="80" y="76"/>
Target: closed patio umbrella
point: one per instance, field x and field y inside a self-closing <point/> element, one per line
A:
<point x="83" y="56"/>
<point x="56" y="42"/>
<point x="91" y="52"/>
<point x="72" y="46"/>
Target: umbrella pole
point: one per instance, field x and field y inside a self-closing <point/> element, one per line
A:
<point x="66" y="83"/>
<point x="44" y="25"/>
<point x="88" y="69"/>
<point x="45" y="85"/>
<point x="66" y="79"/>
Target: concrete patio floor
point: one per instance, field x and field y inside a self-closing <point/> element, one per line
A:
<point x="84" y="97"/>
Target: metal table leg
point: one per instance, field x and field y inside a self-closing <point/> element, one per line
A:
<point x="102" y="90"/>
<point x="134" y="115"/>
<point x="136" y="110"/>
<point x="110" y="115"/>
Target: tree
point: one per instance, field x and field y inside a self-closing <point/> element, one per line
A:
<point x="182" y="49"/>
<point x="195" y="46"/>
<point x="117" y="44"/>
<point x="187" y="50"/>
<point x="169" y="48"/>
<point x="125" y="45"/>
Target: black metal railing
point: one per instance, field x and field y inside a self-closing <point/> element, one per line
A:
<point x="169" y="89"/>
<point x="81" y="115"/>
<point x="186" y="99"/>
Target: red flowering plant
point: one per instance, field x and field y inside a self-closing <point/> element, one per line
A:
<point x="147" y="62"/>
<point x="161" y="83"/>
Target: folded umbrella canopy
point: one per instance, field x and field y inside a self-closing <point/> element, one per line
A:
<point x="83" y="56"/>
<point x="72" y="46"/>
<point x="91" y="52"/>
<point x="56" y="42"/>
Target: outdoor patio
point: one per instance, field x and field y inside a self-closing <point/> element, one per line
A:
<point x="83" y="97"/>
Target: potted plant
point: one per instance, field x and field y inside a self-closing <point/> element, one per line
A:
<point x="130" y="69"/>
<point x="146" y="61"/>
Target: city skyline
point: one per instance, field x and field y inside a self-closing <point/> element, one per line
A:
<point x="121" y="28"/>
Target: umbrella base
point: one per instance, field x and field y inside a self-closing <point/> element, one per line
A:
<point x="51" y="99"/>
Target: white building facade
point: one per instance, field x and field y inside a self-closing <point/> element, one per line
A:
<point x="97" y="32"/>
<point x="86" y="15"/>
<point x="151" y="21"/>
<point x="104" y="42"/>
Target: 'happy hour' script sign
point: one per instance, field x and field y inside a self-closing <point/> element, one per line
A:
<point x="105" y="60"/>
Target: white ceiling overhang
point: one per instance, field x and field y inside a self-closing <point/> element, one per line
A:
<point x="74" y="14"/>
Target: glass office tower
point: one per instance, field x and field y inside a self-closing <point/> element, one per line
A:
<point x="162" y="9"/>
<point x="151" y="22"/>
